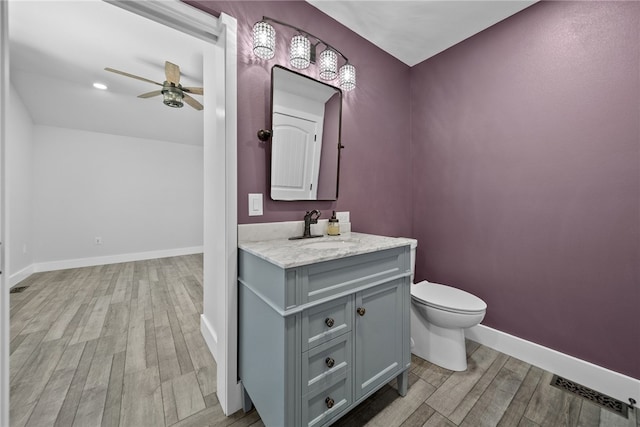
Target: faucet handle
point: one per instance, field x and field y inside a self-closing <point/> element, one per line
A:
<point x="312" y="216"/>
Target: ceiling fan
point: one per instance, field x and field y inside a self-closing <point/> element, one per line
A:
<point x="172" y="91"/>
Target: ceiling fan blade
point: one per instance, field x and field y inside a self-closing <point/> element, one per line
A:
<point x="150" y="94"/>
<point x="172" y="72"/>
<point x="132" y="76"/>
<point x="192" y="102"/>
<point x="194" y="90"/>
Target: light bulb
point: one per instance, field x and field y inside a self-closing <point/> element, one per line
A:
<point x="328" y="65"/>
<point x="300" y="52"/>
<point x="347" y="77"/>
<point x="264" y="40"/>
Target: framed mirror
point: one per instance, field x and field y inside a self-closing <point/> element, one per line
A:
<point x="306" y="117"/>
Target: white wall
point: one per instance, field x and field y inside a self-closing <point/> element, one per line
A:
<point x="138" y="195"/>
<point x="19" y="197"/>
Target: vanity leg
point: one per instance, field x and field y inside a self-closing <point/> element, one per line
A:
<point x="403" y="383"/>
<point x="247" y="404"/>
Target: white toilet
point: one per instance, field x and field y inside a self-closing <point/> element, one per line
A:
<point x="439" y="315"/>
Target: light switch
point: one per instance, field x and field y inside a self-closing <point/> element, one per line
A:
<point x="255" y="204"/>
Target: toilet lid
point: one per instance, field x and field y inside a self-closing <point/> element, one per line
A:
<point x="446" y="297"/>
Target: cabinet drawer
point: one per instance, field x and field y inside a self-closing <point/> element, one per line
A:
<point x="326" y="321"/>
<point x="331" y="277"/>
<point x="321" y="365"/>
<point x="321" y="406"/>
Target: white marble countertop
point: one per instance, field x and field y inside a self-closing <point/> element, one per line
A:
<point x="287" y="253"/>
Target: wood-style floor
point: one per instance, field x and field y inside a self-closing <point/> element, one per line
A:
<point x="120" y="345"/>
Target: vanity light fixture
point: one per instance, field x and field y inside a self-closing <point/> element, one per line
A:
<point x="328" y="65"/>
<point x="347" y="77"/>
<point x="264" y="40"/>
<point x="302" y="52"/>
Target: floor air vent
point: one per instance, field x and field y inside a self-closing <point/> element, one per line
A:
<point x="17" y="289"/>
<point x="596" y="397"/>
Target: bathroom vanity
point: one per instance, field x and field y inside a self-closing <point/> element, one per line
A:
<point x="323" y="323"/>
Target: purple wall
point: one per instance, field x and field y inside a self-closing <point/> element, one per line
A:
<point x="374" y="177"/>
<point x="524" y="145"/>
<point x="525" y="148"/>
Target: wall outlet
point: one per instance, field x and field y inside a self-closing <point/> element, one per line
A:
<point x="97" y="241"/>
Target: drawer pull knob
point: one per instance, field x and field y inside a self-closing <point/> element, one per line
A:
<point x="330" y="362"/>
<point x="329" y="321"/>
<point x="361" y="311"/>
<point x="329" y="401"/>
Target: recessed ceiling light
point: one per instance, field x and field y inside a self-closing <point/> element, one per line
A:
<point x="100" y="86"/>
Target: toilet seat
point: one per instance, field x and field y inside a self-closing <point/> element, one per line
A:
<point x="447" y="298"/>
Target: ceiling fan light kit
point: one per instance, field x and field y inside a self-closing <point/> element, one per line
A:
<point x="173" y="94"/>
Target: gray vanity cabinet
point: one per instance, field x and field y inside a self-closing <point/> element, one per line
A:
<point x="379" y="335"/>
<point x="315" y="340"/>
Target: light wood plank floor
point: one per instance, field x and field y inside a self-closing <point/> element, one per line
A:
<point x="120" y="345"/>
<point x="114" y="345"/>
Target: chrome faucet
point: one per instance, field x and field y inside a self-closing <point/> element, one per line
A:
<point x="311" y="217"/>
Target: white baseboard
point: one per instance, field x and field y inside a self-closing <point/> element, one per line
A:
<point x="18" y="277"/>
<point x="609" y="382"/>
<point x="114" y="259"/>
<point x="210" y="336"/>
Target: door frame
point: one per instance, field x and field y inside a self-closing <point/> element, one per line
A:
<point x="4" y="290"/>
<point x="219" y="318"/>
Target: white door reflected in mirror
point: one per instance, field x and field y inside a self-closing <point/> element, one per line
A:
<point x="295" y="159"/>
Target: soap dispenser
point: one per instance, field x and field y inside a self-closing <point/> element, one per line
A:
<point x="333" y="229"/>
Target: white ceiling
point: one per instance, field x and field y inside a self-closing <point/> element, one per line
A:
<point x="60" y="48"/>
<point x="413" y="31"/>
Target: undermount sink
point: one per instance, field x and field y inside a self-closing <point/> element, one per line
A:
<point x="331" y="244"/>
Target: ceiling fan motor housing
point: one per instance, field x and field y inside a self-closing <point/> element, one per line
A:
<point x="172" y="95"/>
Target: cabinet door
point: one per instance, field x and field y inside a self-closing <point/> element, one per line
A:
<point x="378" y="336"/>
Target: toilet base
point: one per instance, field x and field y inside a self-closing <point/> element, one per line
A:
<point x="441" y="346"/>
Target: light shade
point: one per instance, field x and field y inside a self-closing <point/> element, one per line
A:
<point x="172" y="97"/>
<point x="347" y="77"/>
<point x="264" y="40"/>
<point x="300" y="52"/>
<point x="328" y="65"/>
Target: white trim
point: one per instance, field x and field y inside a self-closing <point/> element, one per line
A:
<point x="64" y="264"/>
<point x="593" y="376"/>
<point x="209" y="335"/>
<point x="233" y="391"/>
<point x="220" y="266"/>
<point x="174" y="14"/>
<point x="4" y="296"/>
<point x="18" y="277"/>
<point x="113" y="259"/>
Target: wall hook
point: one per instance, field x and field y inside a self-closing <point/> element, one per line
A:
<point x="264" y="134"/>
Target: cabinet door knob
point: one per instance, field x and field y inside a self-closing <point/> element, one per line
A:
<point x="330" y="362"/>
<point x="361" y="311"/>
<point x="329" y="401"/>
<point x="329" y="321"/>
